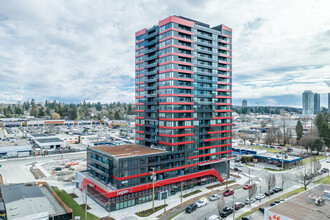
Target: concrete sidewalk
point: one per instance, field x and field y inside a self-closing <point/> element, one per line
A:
<point x="129" y="213"/>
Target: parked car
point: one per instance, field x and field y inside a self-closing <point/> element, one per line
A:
<point x="246" y="218"/>
<point x="319" y="173"/>
<point x="277" y="201"/>
<point x="272" y="204"/>
<point x="214" y="197"/>
<point x="282" y="200"/>
<point x="247" y="186"/>
<point x="214" y="217"/>
<point x="226" y="211"/>
<point x="237" y="169"/>
<point x="290" y="149"/>
<point x="260" y="196"/>
<point x="328" y="160"/>
<point x="277" y="189"/>
<point x="250" y="201"/>
<point x="228" y="192"/>
<point x="271" y="192"/>
<point x="262" y="209"/>
<point x="238" y="205"/>
<point x="190" y="208"/>
<point x="325" y="170"/>
<point x="201" y="202"/>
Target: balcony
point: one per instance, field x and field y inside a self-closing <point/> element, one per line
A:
<point x="98" y="171"/>
<point x="150" y="88"/>
<point x="153" y="64"/>
<point x="151" y="35"/>
<point x="151" y="50"/>
<point x="151" y="42"/>
<point x="152" y="72"/>
<point x="150" y="80"/>
<point x="99" y="162"/>
<point x="151" y="57"/>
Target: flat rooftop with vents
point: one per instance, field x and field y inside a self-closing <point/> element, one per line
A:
<point x="129" y="150"/>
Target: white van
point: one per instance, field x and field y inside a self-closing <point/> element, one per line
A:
<point x="214" y="217"/>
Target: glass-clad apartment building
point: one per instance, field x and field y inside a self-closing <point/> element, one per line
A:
<point x="183" y="112"/>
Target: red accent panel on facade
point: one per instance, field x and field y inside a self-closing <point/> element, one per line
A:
<point x="177" y="38"/>
<point x="224" y="76"/>
<point x="174" y="45"/>
<point x="139" y="33"/>
<point x="175" y="29"/>
<point x="219" y="132"/>
<point x="217" y="125"/>
<point x="142" y="68"/>
<point x="225" y="35"/>
<point x="176" y="87"/>
<point x="223" y="69"/>
<point x="139" y="48"/>
<point x="138" y="90"/>
<point x="224" y="27"/>
<point x="138" y="83"/>
<point x="139" y="103"/>
<point x="175" y="70"/>
<point x="179" y="95"/>
<point x="139" y="117"/>
<point x="139" y="55"/>
<point x="225" y="42"/>
<point x="224" y="83"/>
<point x="141" y="132"/>
<point x="224" y="62"/>
<point x="176" y="135"/>
<point x="223" y="104"/>
<point x="139" y="124"/>
<point x="139" y="110"/>
<point x="206" y="155"/>
<point x="223" y="90"/>
<point x="139" y="62"/>
<point x="138" y="76"/>
<point x="222" y="110"/>
<point x="223" y="55"/>
<point x="139" y="97"/>
<point x="223" y="97"/>
<point x="221" y="117"/>
<point x="177" y="20"/>
<point x="175" y="119"/>
<point x="215" y="146"/>
<point x="223" y="48"/>
<point x="175" y="111"/>
<point x="138" y="138"/>
<point x="178" y="127"/>
<point x="174" y="144"/>
<point x="176" y="62"/>
<point x="217" y="139"/>
<point x="174" y="78"/>
<point x="137" y="42"/>
<point x="175" y="103"/>
<point x="176" y="54"/>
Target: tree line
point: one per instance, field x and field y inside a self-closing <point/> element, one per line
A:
<point x="71" y="111"/>
<point x="264" y="109"/>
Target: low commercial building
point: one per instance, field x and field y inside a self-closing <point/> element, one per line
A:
<point x="47" y="142"/>
<point x="310" y="204"/>
<point x="15" y="148"/>
<point x="277" y="159"/>
<point x="32" y="201"/>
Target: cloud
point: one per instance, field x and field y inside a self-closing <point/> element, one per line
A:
<point x="83" y="50"/>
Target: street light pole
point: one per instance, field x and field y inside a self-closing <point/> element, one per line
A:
<point x="234" y="207"/>
<point x="181" y="190"/>
<point x="260" y="192"/>
<point x="153" y="189"/>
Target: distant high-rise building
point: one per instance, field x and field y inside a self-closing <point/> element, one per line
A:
<point x="329" y="102"/>
<point x="308" y="102"/>
<point x="316" y="103"/>
<point x="244" y="103"/>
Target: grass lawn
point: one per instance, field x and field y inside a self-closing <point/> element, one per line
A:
<point x="308" y="160"/>
<point x="286" y="195"/>
<point x="270" y="169"/>
<point x="324" y="180"/>
<point x="76" y="208"/>
<point x="269" y="150"/>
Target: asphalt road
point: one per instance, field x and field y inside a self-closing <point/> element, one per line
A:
<point x="16" y="170"/>
<point x="241" y="194"/>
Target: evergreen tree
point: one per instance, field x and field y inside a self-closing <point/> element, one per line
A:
<point x="47" y="110"/>
<point x="41" y="112"/>
<point x="317" y="146"/>
<point x="325" y="133"/>
<point x="319" y="120"/>
<point x="299" y="130"/>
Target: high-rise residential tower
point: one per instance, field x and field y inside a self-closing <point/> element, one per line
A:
<point x="329" y="102"/>
<point x="316" y="103"/>
<point x="308" y="102"/>
<point x="183" y="117"/>
<point x="244" y="103"/>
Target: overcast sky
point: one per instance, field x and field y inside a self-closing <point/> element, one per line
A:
<point x="84" y="50"/>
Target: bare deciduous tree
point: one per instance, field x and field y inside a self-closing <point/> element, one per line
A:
<point x="270" y="181"/>
<point x="307" y="141"/>
<point x="270" y="136"/>
<point x="252" y="192"/>
<point x="221" y="204"/>
<point x="303" y="175"/>
<point x="252" y="139"/>
<point x="244" y="137"/>
<point x="284" y="179"/>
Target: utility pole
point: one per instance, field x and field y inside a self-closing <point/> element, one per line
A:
<point x="227" y="173"/>
<point x="282" y="159"/>
<point x="86" y="202"/>
<point x="181" y="190"/>
<point x="249" y="176"/>
<point x="153" y="189"/>
<point x="260" y="192"/>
